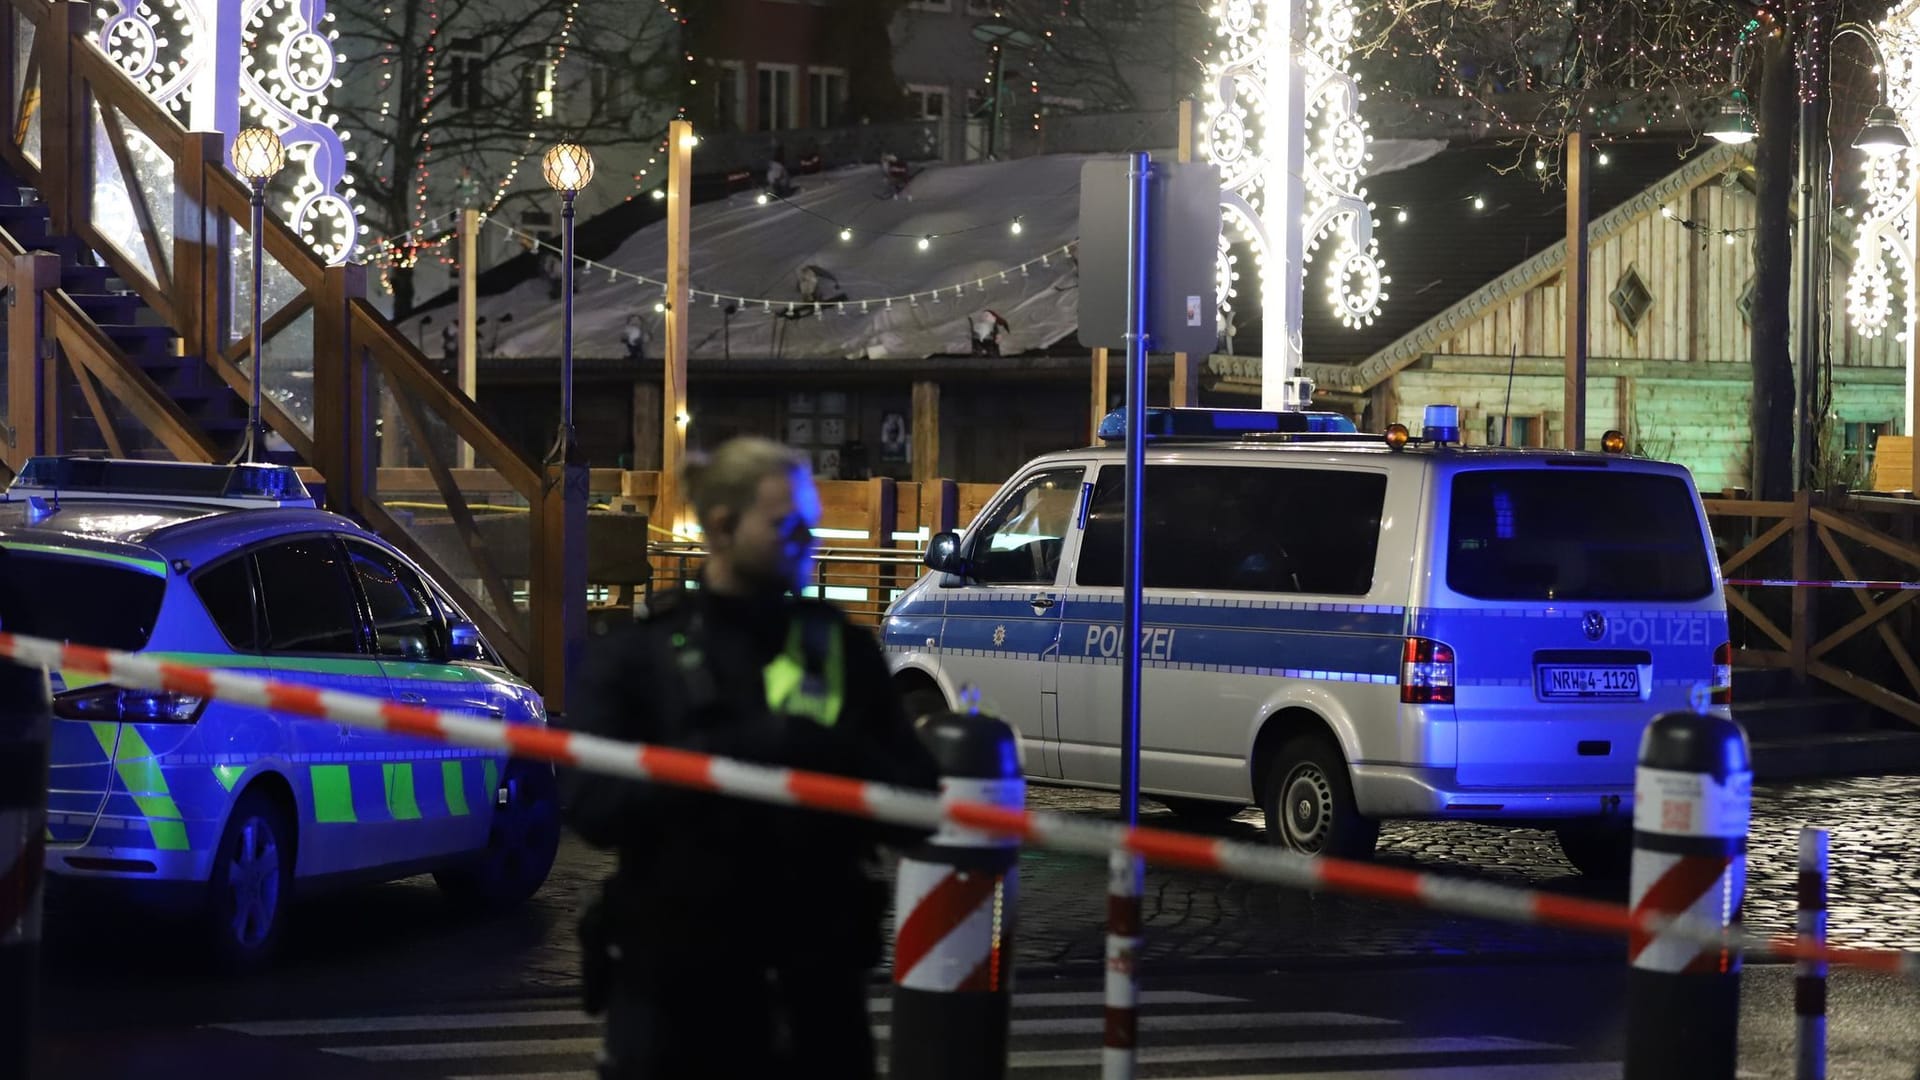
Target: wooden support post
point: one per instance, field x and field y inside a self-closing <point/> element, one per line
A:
<point x="66" y="124"/>
<point x="1099" y="404"/>
<point x="940" y="506"/>
<point x="560" y="583"/>
<point x="341" y="427"/>
<point x="1185" y="391"/>
<point x="883" y="516"/>
<point x="674" y="417"/>
<point x="926" y="430"/>
<point x="198" y="247"/>
<point x="646" y="426"/>
<point x="1802" y="631"/>
<point x="30" y="376"/>
<point x="469" y="318"/>
<point x="1573" y="422"/>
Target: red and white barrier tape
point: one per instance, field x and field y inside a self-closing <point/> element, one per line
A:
<point x="919" y="809"/>
<point x="1792" y="583"/>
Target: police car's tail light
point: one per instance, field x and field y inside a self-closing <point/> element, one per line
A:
<point x="1723" y="674"/>
<point x="1426" y="672"/>
<point x="113" y="704"/>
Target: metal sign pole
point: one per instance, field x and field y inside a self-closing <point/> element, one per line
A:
<point x="1139" y="173"/>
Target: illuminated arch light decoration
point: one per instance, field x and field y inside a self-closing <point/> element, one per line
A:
<point x="1242" y="139"/>
<point x="288" y="71"/>
<point x="1880" y="287"/>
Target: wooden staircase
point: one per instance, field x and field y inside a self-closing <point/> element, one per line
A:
<point x="123" y="338"/>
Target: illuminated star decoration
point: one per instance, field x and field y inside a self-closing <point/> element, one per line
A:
<point x="287" y="74"/>
<point x="1243" y="139"/>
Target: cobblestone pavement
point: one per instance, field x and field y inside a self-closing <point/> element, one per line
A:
<point x="403" y="941"/>
<point x="1875" y="886"/>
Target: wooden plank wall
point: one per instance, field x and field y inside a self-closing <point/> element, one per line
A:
<point x="1696" y="280"/>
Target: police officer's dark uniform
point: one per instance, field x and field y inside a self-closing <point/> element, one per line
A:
<point x="733" y="929"/>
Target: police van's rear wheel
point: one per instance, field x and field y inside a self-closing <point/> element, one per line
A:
<point x="252" y="882"/>
<point x="1603" y="852"/>
<point x="521" y="844"/>
<point x="1308" y="799"/>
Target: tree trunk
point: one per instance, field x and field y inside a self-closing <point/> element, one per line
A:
<point x="1773" y="389"/>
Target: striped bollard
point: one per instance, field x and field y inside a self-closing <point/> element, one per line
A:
<point x="1692" y="796"/>
<point x="24" y="731"/>
<point x="954" y="908"/>
<point x="1810" y="976"/>
<point x="1122" y="1044"/>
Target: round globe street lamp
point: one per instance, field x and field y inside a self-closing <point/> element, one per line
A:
<point x="568" y="168"/>
<point x="257" y="156"/>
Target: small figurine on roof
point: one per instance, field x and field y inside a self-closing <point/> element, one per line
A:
<point x="899" y="175"/>
<point x="988" y="327"/>
<point x="634" y="337"/>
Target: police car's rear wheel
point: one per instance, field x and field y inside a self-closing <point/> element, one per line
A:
<point x="924" y="701"/>
<point x="521" y="844"/>
<point x="252" y="882"/>
<point x="1309" y="804"/>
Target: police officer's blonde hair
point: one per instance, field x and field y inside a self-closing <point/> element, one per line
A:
<point x="728" y="478"/>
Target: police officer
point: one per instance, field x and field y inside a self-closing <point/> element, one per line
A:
<point x="735" y="938"/>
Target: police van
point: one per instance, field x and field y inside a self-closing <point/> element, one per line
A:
<point x="1339" y="628"/>
<point x="169" y="798"/>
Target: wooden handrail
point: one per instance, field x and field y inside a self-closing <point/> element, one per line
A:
<point x="85" y="342"/>
<point x="368" y="331"/>
<point x="109" y="86"/>
<point x="1751" y="508"/>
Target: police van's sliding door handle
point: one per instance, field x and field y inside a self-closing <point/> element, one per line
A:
<point x="1040" y="603"/>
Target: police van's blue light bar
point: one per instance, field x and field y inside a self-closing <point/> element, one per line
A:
<point x="1225" y="424"/>
<point x="99" y="477"/>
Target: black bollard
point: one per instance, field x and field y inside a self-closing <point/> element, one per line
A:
<point x="1692" y="797"/>
<point x="954" y="910"/>
<point x="24" y="731"/>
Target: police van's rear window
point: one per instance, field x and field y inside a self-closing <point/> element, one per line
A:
<point x="1575" y="534"/>
<point x="86" y="601"/>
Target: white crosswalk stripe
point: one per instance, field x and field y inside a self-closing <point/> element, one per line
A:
<point x="1054" y="1034"/>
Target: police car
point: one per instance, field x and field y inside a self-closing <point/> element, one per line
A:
<point x="1338" y="628"/>
<point x="166" y="796"/>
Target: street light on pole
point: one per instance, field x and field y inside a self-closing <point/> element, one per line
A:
<point x="568" y="168"/>
<point x="257" y="156"/>
<point x="1881" y="135"/>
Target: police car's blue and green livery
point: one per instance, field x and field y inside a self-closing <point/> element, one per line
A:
<point x="230" y="806"/>
<point x="1338" y="627"/>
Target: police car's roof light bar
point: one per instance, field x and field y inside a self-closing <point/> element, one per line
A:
<point x="103" y="478"/>
<point x="1226" y="424"/>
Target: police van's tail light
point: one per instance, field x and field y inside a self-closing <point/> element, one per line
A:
<point x="1426" y="672"/>
<point x="113" y="704"/>
<point x="1723" y="674"/>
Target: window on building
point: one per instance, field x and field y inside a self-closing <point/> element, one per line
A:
<point x="1238" y="529"/>
<point x="930" y="5"/>
<point x="980" y="7"/>
<point x="466" y="75"/>
<point x="774" y="87"/>
<point x="927" y="102"/>
<point x="1631" y="300"/>
<point x="607" y="86"/>
<point x="826" y="97"/>
<point x="729" y="96"/>
<point x="1516" y="430"/>
<point x="536" y="85"/>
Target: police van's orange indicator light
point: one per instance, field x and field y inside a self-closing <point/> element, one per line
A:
<point x="1397" y="436"/>
<point x="1613" y="443"/>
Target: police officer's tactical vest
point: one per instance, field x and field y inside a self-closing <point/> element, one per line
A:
<point x="807" y="678"/>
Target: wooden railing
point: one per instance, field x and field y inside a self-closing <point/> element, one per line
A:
<point x="340" y="384"/>
<point x="1862" y="642"/>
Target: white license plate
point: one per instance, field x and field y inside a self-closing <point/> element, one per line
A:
<point x="1577" y="681"/>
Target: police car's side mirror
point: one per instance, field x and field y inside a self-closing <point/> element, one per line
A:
<point x="943" y="554"/>
<point x="464" y="642"/>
